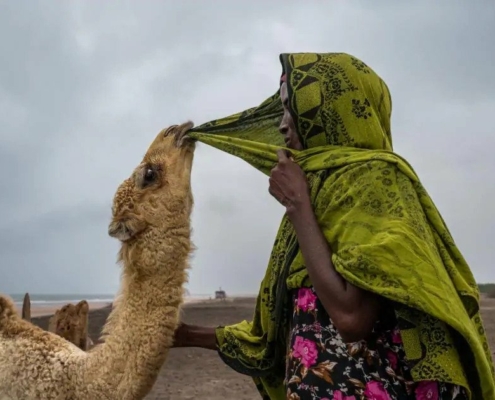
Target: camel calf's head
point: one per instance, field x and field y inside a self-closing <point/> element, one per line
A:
<point x="71" y="322"/>
<point x="158" y="193"/>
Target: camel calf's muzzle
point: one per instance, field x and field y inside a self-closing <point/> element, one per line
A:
<point x="180" y="134"/>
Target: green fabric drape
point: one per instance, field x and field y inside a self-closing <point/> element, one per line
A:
<point x="384" y="230"/>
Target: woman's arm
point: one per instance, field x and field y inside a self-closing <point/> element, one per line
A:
<point x="195" y="336"/>
<point x="353" y="311"/>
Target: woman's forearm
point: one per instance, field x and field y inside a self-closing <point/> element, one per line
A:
<point x="352" y="309"/>
<point x="330" y="286"/>
<point x="196" y="336"/>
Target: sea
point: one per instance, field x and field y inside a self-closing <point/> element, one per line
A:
<point x="62" y="299"/>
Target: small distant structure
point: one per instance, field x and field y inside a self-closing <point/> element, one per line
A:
<point x="220" y="294"/>
<point x="26" y="308"/>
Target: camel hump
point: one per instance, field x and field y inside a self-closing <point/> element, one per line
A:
<point x="26" y="308"/>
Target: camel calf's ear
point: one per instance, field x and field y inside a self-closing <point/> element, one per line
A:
<point x="125" y="229"/>
<point x="82" y="307"/>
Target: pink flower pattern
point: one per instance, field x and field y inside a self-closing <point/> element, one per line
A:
<point x="305" y="350"/>
<point x="392" y="359"/>
<point x="396" y="338"/>
<point x="426" y="391"/>
<point x="320" y="366"/>
<point x="306" y="300"/>
<point x="375" y="391"/>
<point x="338" y="395"/>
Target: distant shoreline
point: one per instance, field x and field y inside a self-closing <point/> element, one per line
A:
<point x="49" y="310"/>
<point x="46" y="310"/>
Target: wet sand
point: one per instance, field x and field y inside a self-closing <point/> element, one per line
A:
<point x="200" y="374"/>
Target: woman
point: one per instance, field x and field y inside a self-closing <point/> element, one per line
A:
<point x="366" y="294"/>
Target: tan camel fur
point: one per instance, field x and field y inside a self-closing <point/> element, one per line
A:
<point x="151" y="217"/>
<point x="71" y="323"/>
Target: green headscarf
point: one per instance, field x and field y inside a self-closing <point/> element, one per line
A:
<point x="384" y="230"/>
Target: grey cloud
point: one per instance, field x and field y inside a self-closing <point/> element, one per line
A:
<point x="56" y="252"/>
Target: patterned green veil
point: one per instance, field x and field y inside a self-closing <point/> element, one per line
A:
<point x="384" y="230"/>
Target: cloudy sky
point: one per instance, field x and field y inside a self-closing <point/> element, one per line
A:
<point x="85" y="86"/>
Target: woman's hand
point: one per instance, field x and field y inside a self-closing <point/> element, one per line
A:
<point x="181" y="335"/>
<point x="288" y="183"/>
<point x="195" y="336"/>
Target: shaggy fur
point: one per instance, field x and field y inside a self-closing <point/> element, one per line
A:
<point x="151" y="217"/>
<point x="71" y="322"/>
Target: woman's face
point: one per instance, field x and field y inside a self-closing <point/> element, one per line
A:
<point x="287" y="126"/>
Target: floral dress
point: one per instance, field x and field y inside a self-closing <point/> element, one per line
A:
<point x="320" y="366"/>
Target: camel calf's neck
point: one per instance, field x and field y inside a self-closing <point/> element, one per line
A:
<point x="145" y="314"/>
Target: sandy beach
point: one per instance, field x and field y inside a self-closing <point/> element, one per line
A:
<point x="199" y="374"/>
<point x="49" y="310"/>
<point x="40" y="311"/>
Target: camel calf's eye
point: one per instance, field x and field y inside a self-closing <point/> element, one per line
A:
<point x="149" y="176"/>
